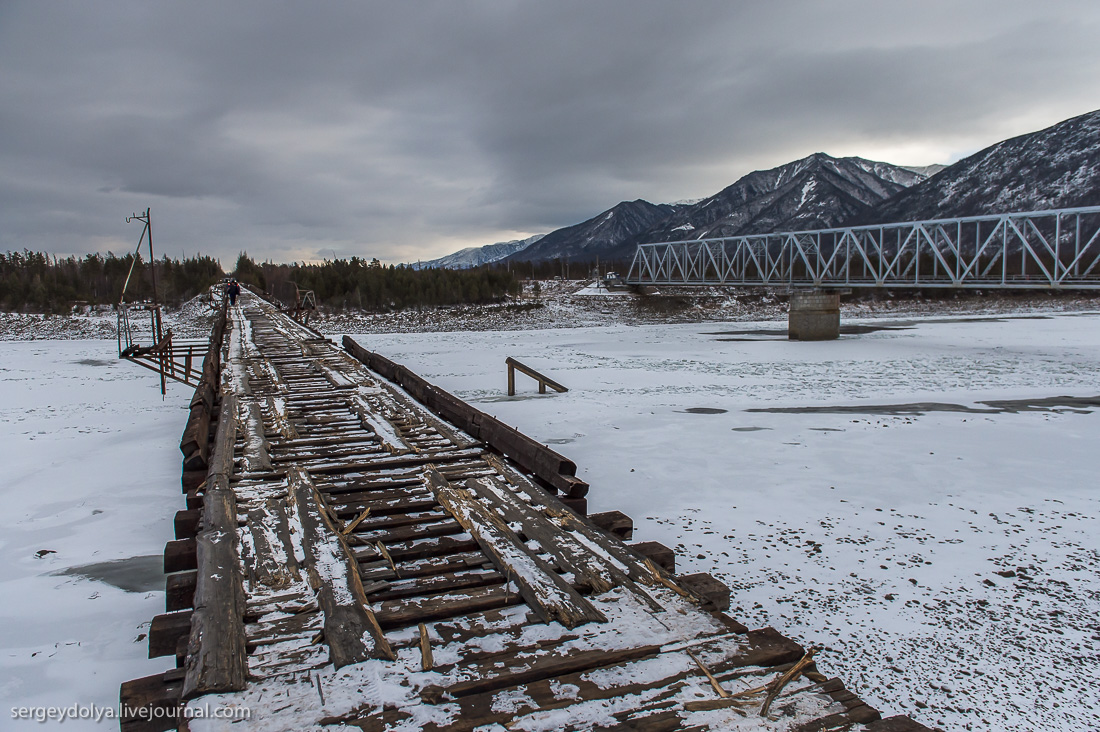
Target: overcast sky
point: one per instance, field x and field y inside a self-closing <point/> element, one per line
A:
<point x="409" y="129"/>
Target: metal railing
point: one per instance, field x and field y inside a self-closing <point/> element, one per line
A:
<point x="1057" y="249"/>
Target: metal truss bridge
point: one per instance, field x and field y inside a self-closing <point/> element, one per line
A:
<point x="1057" y="249"/>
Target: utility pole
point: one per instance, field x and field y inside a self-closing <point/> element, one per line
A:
<point x="148" y="232"/>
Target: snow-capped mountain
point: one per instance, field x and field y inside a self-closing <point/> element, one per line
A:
<point x="1053" y="168"/>
<point x="818" y="191"/>
<point x="1058" y="167"/>
<point x="601" y="236"/>
<point x="477" y="256"/>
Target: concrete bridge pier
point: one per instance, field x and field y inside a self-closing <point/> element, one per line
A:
<point x="814" y="316"/>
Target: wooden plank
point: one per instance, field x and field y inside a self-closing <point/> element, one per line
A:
<point x="647" y="573"/>
<point x="398" y="461"/>
<point x="540" y="460"/>
<point x="256" y="457"/>
<point x="195" y="442"/>
<point x="438" y="565"/>
<point x="280" y="420"/>
<point x="593" y="572"/>
<point x="442" y="526"/>
<point x="410" y="611"/>
<point x="896" y="724"/>
<point x="425" y="548"/>
<point x="501" y="676"/>
<point x="542" y="676"/>
<point x="216" y="649"/>
<point x="273" y="564"/>
<point x="377" y="423"/>
<point x="545" y="590"/>
<point x="438" y="584"/>
<point x="351" y="629"/>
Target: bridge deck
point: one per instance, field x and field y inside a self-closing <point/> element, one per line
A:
<point x="362" y="562"/>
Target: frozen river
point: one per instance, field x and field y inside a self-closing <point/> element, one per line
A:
<point x="943" y="551"/>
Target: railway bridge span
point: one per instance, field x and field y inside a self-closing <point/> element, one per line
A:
<point x="1037" y="250"/>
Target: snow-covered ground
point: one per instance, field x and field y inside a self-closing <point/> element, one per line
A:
<point x="878" y="533"/>
<point x="91" y="476"/>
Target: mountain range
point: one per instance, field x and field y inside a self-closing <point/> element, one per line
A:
<point x="1057" y="167"/>
<point x="477" y="256"/>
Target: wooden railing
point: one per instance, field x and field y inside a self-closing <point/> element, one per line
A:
<point x="544" y="381"/>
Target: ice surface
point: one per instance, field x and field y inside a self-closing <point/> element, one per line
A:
<point x="877" y="536"/>
<point x="92" y="473"/>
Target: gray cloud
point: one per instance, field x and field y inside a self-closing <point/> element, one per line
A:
<point x="408" y="130"/>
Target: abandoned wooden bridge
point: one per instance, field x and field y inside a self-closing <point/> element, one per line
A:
<point x="362" y="549"/>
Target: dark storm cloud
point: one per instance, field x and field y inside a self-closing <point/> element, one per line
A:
<point x="406" y="130"/>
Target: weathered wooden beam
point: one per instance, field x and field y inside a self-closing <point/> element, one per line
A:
<point x="896" y="724"/>
<point x="273" y="565"/>
<point x="657" y="553"/>
<point x="149" y="704"/>
<point x="256" y="457"/>
<point x="216" y="647"/>
<point x="165" y="630"/>
<point x="410" y="611"/>
<point x="195" y="444"/>
<point x="541" y="677"/>
<point x="547" y="667"/>
<point x="180" y="556"/>
<point x="549" y="466"/>
<point x="179" y="591"/>
<point x="578" y="506"/>
<point x="707" y="587"/>
<point x="594" y="573"/>
<point x="548" y="594"/>
<point x="351" y="629"/>
<point x="186" y="523"/>
<point x="614" y="522"/>
<point x="192" y="479"/>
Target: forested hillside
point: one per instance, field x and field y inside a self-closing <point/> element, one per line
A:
<point x="373" y="286"/>
<point x="36" y="282"/>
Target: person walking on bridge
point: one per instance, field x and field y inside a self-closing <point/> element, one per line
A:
<point x="233" y="289"/>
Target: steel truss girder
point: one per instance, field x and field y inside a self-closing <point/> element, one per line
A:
<point x="1056" y="249"/>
